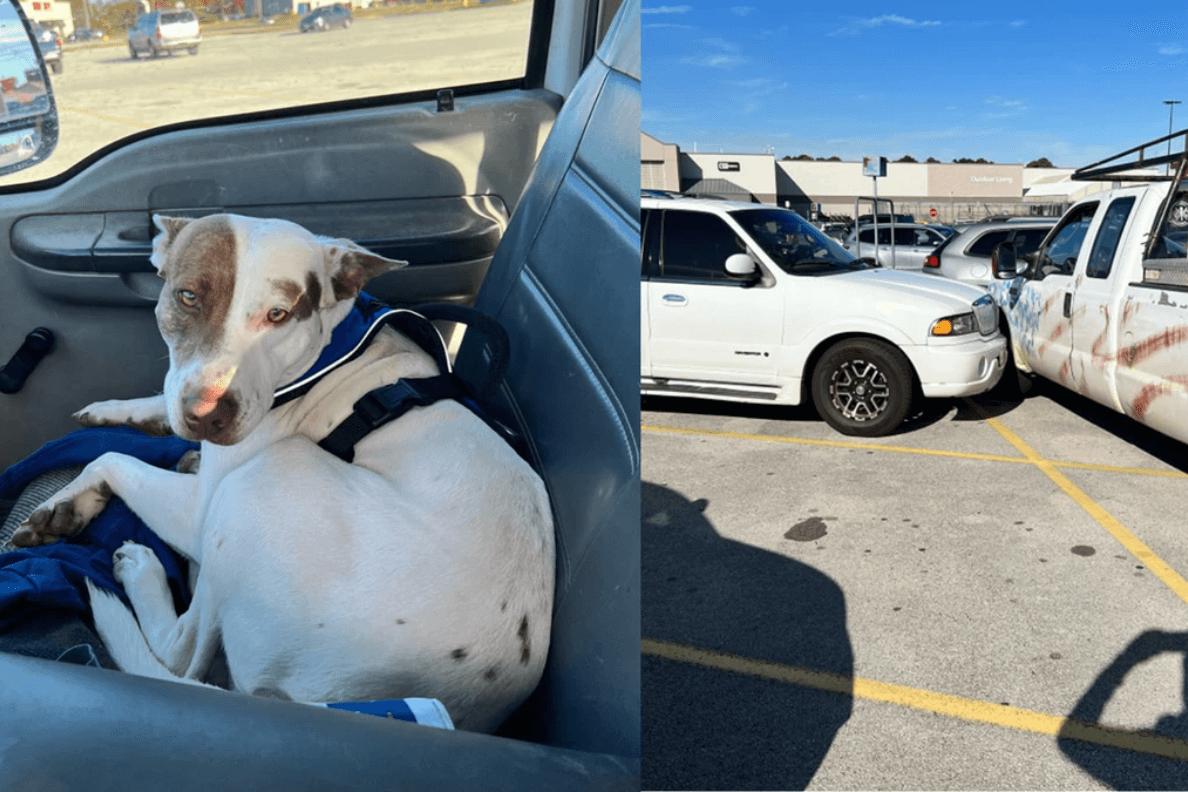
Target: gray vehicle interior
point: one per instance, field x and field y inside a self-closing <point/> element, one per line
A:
<point x="529" y="240"/>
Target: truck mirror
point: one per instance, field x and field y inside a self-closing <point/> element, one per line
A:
<point x="742" y="267"/>
<point x="1003" y="262"/>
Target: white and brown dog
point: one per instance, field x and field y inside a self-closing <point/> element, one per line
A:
<point x="423" y="569"/>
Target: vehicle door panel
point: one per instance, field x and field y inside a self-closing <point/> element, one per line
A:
<point x="434" y="188"/>
<point x="1094" y="356"/>
<point x="1039" y="306"/>
<point x="710" y="328"/>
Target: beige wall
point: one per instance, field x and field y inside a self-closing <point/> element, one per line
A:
<point x="824" y="180"/>
<point x="986" y="182"/>
<point x="659" y="169"/>
<point x="756" y="173"/>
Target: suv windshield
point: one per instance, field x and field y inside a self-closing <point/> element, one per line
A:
<point x="794" y="244"/>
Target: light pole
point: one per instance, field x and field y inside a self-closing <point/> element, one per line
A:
<point x="1171" y="111"/>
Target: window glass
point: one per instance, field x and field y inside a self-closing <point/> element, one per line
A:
<point x="986" y="243"/>
<point x="246" y="63"/>
<point x="696" y="246"/>
<point x="794" y="244"/>
<point x="1172" y="240"/>
<point x="1101" y="259"/>
<point x="866" y="236"/>
<point x="650" y="222"/>
<point x="1028" y="240"/>
<point x="904" y="237"/>
<point x="1059" y="257"/>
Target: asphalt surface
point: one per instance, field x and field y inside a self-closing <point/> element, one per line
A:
<point x="939" y="609"/>
<point x="104" y="95"/>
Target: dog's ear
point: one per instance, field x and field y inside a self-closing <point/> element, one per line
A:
<point x="350" y="267"/>
<point x="169" y="228"/>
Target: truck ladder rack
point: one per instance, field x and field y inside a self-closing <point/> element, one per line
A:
<point x="1116" y="166"/>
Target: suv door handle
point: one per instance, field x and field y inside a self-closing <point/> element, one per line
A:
<point x="674" y="299"/>
<point x="1068" y="305"/>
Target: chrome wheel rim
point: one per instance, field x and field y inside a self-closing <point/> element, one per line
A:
<point x="859" y="390"/>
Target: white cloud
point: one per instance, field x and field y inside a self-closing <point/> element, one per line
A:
<point x="666" y="10"/>
<point x="1018" y="23"/>
<point x="859" y="25"/>
<point x="713" y="61"/>
<point x="742" y="10"/>
<point x="1171" y="50"/>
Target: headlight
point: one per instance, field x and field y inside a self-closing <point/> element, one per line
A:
<point x="954" y="325"/>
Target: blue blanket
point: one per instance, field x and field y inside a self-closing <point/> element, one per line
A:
<point x="53" y="576"/>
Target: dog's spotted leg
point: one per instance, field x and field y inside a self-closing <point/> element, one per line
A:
<point x="166" y="501"/>
<point x="148" y="415"/>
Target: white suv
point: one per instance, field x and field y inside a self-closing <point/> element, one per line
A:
<point x="747" y="302"/>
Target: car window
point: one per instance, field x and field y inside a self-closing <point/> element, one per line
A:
<point x="866" y="236"/>
<point x="1101" y="258"/>
<point x="1172" y="240"/>
<point x="905" y="237"/>
<point x="650" y="249"/>
<point x="1028" y="240"/>
<point x="1059" y="256"/>
<point x="243" y="66"/>
<point x="794" y="244"/>
<point x="696" y="246"/>
<point x="984" y="245"/>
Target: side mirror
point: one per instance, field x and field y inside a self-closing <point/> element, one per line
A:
<point x="28" y="113"/>
<point x="1003" y="262"/>
<point x="742" y="267"/>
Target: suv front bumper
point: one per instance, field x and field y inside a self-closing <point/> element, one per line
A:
<point x="965" y="368"/>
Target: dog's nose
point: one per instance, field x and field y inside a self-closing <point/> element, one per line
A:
<point x="207" y="419"/>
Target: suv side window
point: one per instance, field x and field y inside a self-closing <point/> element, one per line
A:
<point x="650" y="225"/>
<point x="984" y="245"/>
<point x="1101" y="260"/>
<point x="1059" y="256"/>
<point x="1028" y="240"/>
<point x="696" y="246"/>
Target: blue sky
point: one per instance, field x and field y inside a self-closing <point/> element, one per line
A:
<point x="1010" y="82"/>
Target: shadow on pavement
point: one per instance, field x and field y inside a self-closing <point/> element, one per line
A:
<point x="710" y="729"/>
<point x="1131" y="759"/>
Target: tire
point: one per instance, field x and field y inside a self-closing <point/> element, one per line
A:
<point x="193" y="50"/>
<point x="135" y="54"/>
<point x="346" y="24"/>
<point x="863" y="387"/>
<point x="57" y="66"/>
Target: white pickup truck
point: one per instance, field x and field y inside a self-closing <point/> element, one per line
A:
<point x="751" y="303"/>
<point x="1102" y="306"/>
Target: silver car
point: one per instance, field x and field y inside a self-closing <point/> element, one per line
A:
<point x="913" y="243"/>
<point x="165" y="31"/>
<point x="965" y="256"/>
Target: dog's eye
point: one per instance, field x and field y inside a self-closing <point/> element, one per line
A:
<point x="278" y="315"/>
<point x="187" y="298"/>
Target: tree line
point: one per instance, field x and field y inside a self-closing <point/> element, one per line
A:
<point x="1042" y="162"/>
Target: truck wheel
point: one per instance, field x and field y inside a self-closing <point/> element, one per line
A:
<point x="135" y="54"/>
<point x="57" y="66"/>
<point x="863" y="387"/>
<point x="193" y="50"/>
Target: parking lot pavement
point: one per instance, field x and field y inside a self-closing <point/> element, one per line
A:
<point x="938" y="609"/>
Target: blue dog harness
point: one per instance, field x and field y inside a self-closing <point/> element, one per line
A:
<point x="387" y="403"/>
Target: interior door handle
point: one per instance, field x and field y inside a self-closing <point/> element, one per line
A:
<point x="1068" y="305"/>
<point x="674" y="299"/>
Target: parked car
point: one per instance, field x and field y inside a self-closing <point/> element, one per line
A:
<point x="51" y="46"/>
<point x="165" y="31"/>
<point x="751" y="303"/>
<point x="913" y="243"/>
<point x="86" y="34"/>
<point x="966" y="255"/>
<point x="325" y="18"/>
<point x="1099" y="308"/>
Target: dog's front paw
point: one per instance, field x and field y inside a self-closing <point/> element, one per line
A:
<point x="139" y="571"/>
<point x="142" y="414"/>
<point x="65" y="514"/>
<point x="189" y="462"/>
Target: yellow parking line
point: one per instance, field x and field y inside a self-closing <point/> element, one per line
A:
<point x="909" y="450"/>
<point x="1137" y="548"/>
<point x="117" y="119"/>
<point x="940" y="703"/>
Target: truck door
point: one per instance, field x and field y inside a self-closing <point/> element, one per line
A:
<point x="706" y="326"/>
<point x="1095" y="308"/>
<point x="1041" y="316"/>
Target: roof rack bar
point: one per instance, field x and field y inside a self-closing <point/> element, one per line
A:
<point x="1111" y="165"/>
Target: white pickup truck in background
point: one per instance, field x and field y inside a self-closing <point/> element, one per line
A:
<point x="751" y="303"/>
<point x="1102" y="306"/>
